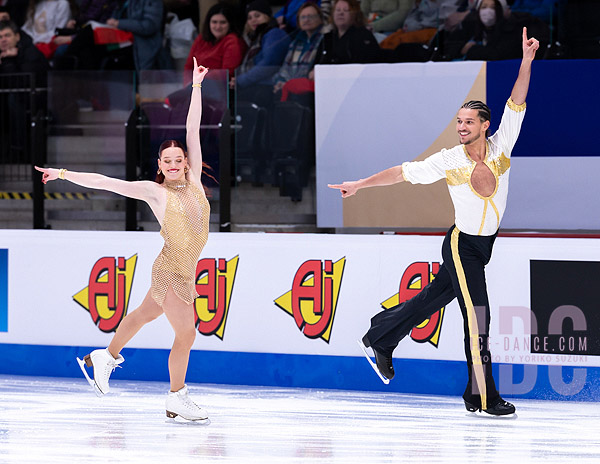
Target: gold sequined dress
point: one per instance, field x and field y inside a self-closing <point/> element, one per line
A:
<point x="185" y="231"/>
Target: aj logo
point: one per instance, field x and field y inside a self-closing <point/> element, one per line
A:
<point x="214" y="284"/>
<point x="107" y="295"/>
<point x="314" y="295"/>
<point x="415" y="278"/>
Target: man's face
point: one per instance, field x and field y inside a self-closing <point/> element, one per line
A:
<point x="8" y="39"/>
<point x="4" y="16"/>
<point x="469" y="126"/>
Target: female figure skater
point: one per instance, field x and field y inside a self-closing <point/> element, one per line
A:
<point x="178" y="201"/>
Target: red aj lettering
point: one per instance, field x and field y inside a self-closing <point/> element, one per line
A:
<point x="107" y="295"/>
<point x="428" y="331"/>
<point x="313" y="297"/>
<point x="414" y="279"/>
<point x="214" y="284"/>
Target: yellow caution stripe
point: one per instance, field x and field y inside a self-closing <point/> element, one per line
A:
<point x="47" y="196"/>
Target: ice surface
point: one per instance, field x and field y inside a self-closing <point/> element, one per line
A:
<point x="49" y="420"/>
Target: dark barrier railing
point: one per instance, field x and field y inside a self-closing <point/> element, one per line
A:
<point x="22" y="135"/>
<point x="29" y="116"/>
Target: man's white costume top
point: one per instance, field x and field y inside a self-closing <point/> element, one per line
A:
<point x="474" y="213"/>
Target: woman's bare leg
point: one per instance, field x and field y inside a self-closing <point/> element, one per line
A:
<point x="181" y="317"/>
<point x="133" y="322"/>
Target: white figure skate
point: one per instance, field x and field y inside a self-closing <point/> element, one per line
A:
<point x="180" y="404"/>
<point x="103" y="364"/>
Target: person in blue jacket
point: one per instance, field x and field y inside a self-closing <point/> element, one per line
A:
<point x="143" y="18"/>
<point x="266" y="52"/>
<point x="287" y="16"/>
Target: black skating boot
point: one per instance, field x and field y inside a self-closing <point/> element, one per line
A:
<point x="384" y="362"/>
<point x="499" y="408"/>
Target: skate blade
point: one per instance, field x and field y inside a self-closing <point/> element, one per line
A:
<point x="373" y="365"/>
<point x="485" y="415"/>
<point x="176" y="419"/>
<point x="81" y="363"/>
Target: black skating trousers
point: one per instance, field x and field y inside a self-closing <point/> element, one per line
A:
<point x="462" y="276"/>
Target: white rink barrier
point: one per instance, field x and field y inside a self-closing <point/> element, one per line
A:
<point x="287" y="310"/>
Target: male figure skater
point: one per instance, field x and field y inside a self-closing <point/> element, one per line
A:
<point x="477" y="173"/>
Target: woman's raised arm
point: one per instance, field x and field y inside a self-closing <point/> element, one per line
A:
<point x="192" y="125"/>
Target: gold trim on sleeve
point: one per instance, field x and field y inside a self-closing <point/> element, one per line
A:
<point x="405" y="174"/>
<point x="513" y="106"/>
<point x="502" y="164"/>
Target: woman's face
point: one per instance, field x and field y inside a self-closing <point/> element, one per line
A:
<point x="172" y="163"/>
<point x="309" y="19"/>
<point x="487" y="13"/>
<point x="219" y="26"/>
<point x="256" y="18"/>
<point x="342" y="16"/>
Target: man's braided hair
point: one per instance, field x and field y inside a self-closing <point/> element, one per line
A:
<point x="483" y="111"/>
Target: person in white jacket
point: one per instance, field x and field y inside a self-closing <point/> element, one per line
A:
<point x="44" y="17"/>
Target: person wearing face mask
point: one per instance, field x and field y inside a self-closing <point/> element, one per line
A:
<point x="487" y="33"/>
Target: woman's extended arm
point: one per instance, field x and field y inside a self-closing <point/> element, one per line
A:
<point x="140" y="190"/>
<point x="192" y="125"/>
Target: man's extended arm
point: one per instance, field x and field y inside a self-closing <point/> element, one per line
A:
<point x="519" y="91"/>
<point x="389" y="176"/>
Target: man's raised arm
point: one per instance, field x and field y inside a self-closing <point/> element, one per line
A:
<point x="519" y="91"/>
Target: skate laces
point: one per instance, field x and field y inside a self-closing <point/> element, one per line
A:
<point x="110" y="367"/>
<point x="189" y="403"/>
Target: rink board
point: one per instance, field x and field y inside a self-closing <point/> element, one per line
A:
<point x="286" y="310"/>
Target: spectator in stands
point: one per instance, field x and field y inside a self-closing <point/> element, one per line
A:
<point x="6" y="15"/>
<point x="267" y="49"/>
<point x="423" y="44"/>
<point x="349" y="41"/>
<point x="93" y="10"/>
<point x="455" y="19"/>
<point x="143" y="18"/>
<point x="81" y="55"/>
<point x="420" y="25"/>
<point x="219" y="46"/>
<point x="302" y="52"/>
<point x="16" y="10"/>
<point x="287" y="16"/>
<point x="385" y="16"/>
<point x="19" y="57"/>
<point x="43" y="18"/>
<point x="491" y="32"/>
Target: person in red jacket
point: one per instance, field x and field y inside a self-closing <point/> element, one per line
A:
<point x="218" y="47"/>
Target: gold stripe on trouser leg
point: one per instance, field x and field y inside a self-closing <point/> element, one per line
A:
<point x="472" y="320"/>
